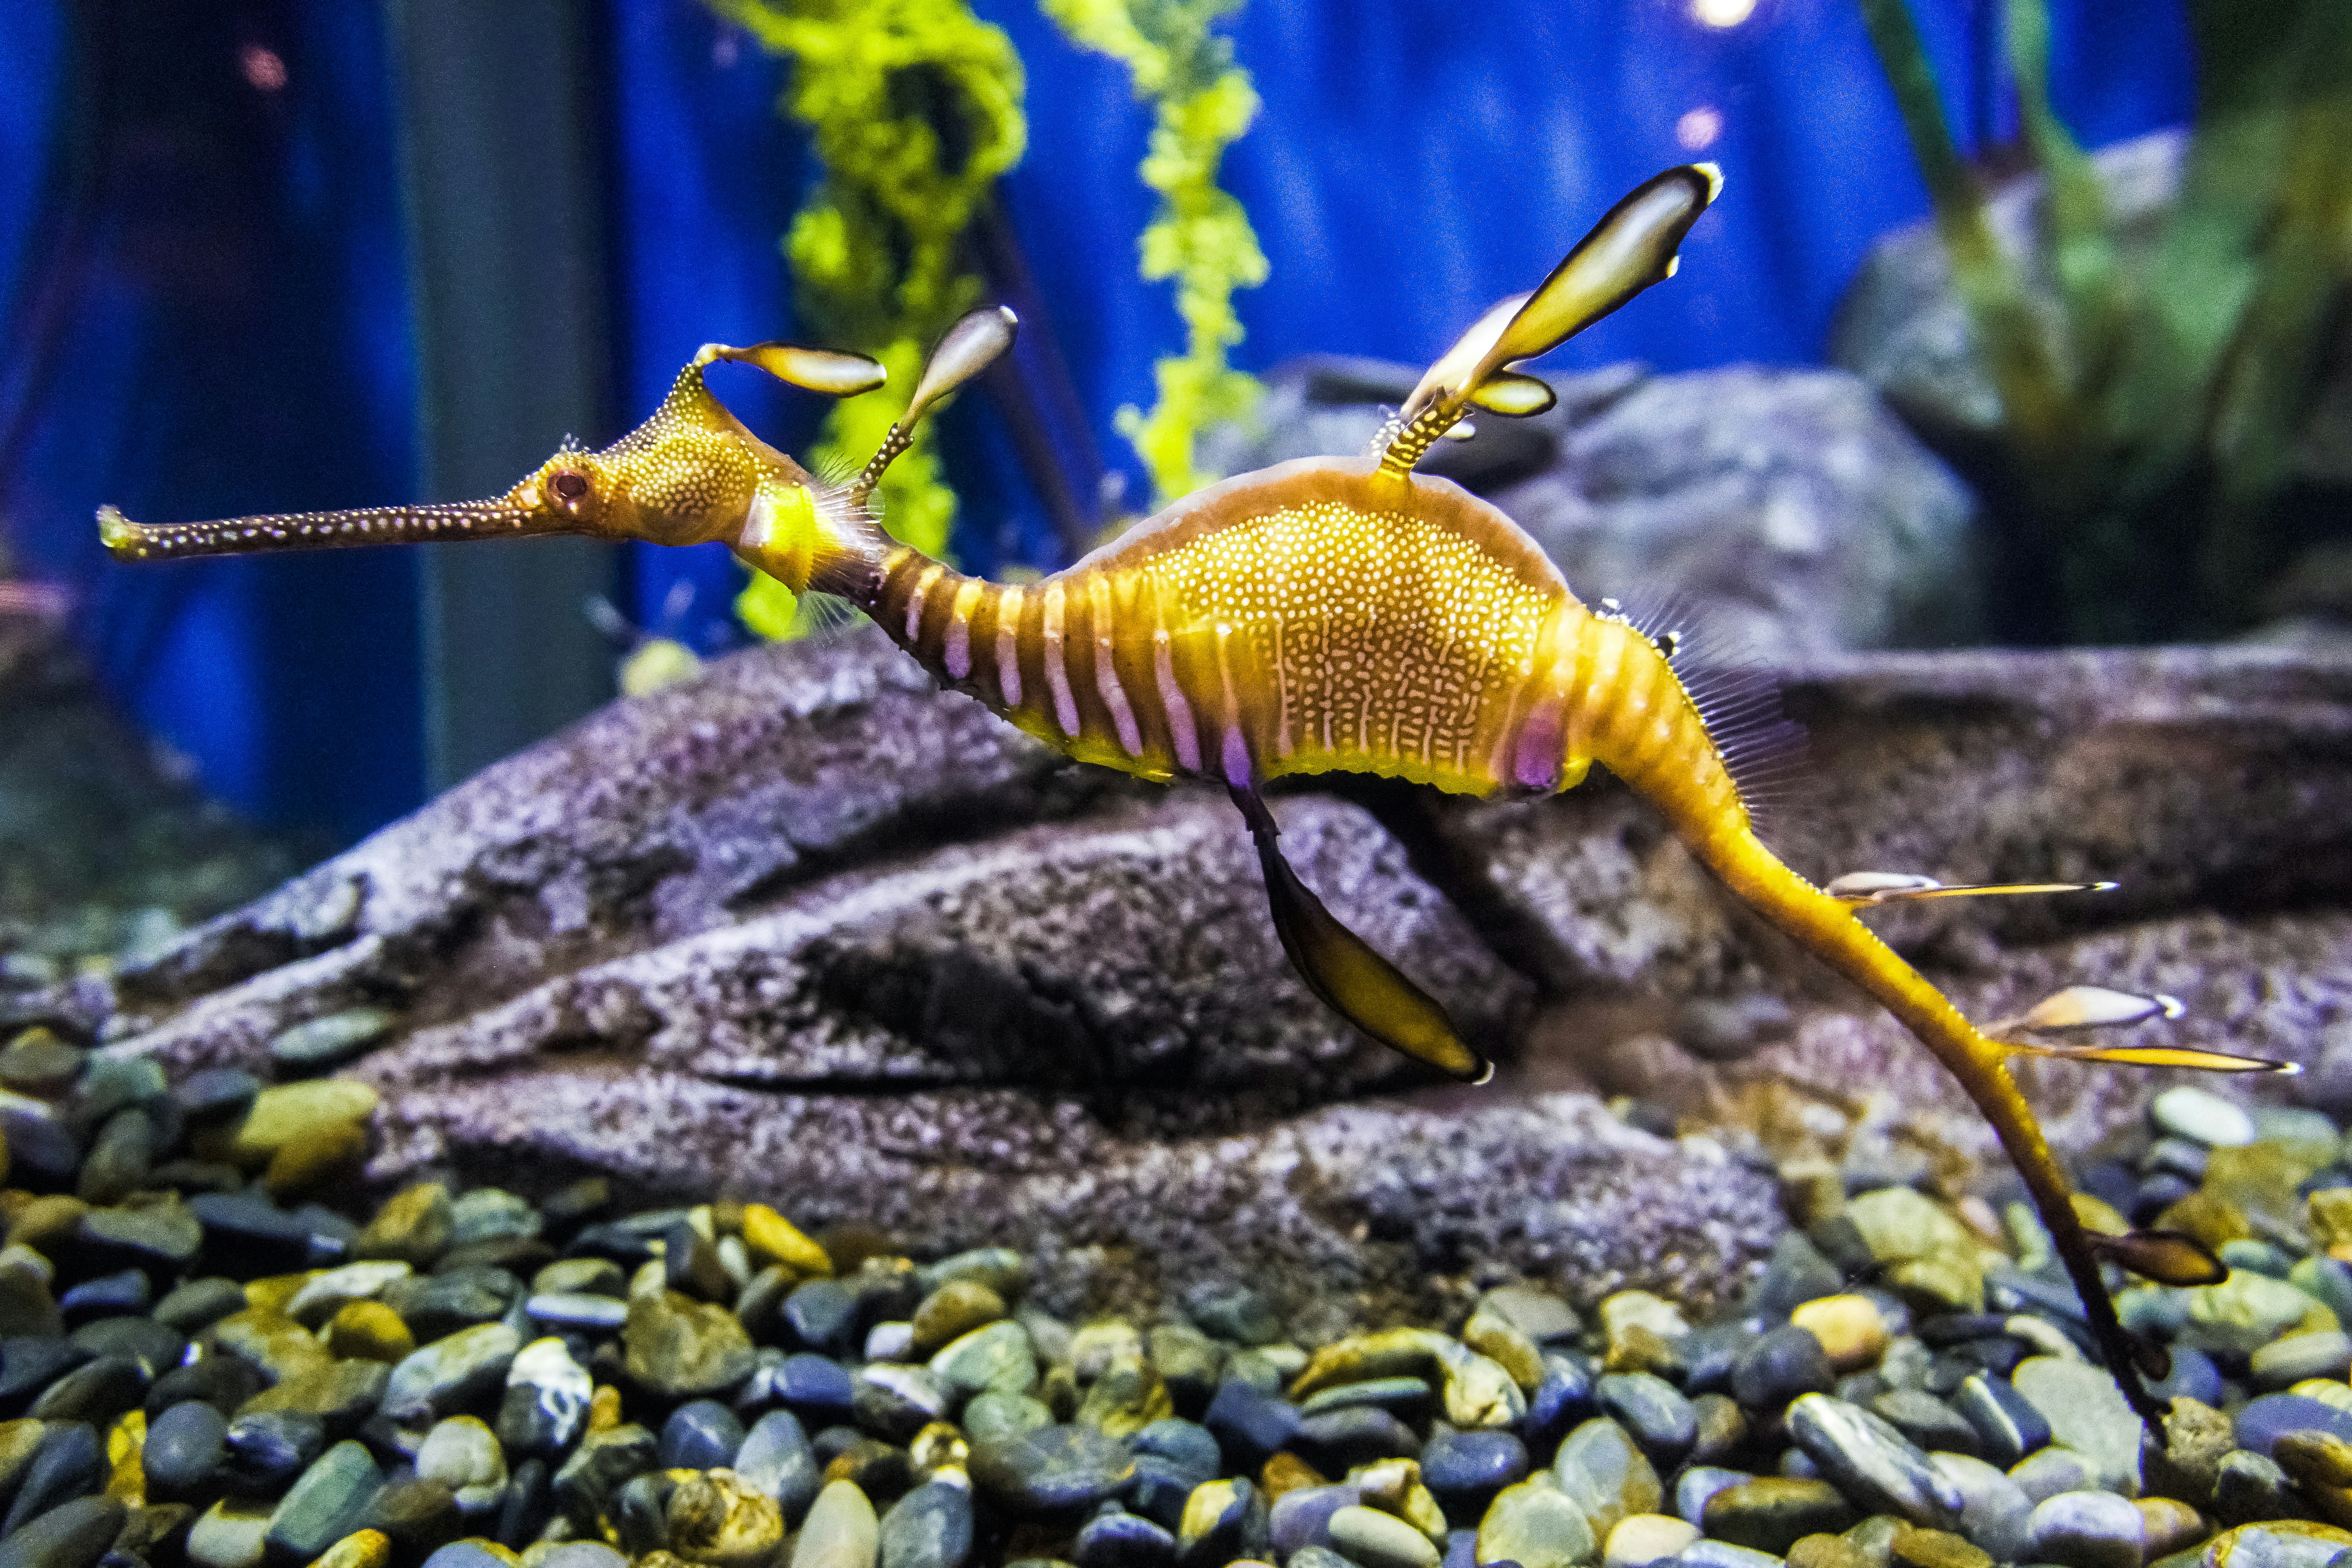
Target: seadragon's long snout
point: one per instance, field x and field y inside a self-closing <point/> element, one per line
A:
<point x="129" y="540"/>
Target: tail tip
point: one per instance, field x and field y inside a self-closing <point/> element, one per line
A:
<point x="117" y="533"/>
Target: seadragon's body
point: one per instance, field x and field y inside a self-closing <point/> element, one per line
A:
<point x="1330" y="615"/>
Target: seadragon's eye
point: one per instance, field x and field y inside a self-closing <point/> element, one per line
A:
<point x="1668" y="643"/>
<point x="569" y="487"/>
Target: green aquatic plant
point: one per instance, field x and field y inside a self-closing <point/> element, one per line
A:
<point x="914" y="108"/>
<point x="2149" y="404"/>
<point x="1201" y="103"/>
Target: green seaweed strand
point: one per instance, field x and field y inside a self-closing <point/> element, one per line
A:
<point x="915" y="109"/>
<point x="1203" y="102"/>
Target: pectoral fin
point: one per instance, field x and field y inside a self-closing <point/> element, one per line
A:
<point x="1339" y="966"/>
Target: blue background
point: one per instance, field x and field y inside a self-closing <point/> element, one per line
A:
<point x="233" y="336"/>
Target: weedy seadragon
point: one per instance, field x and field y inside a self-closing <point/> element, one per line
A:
<point x="1332" y="614"/>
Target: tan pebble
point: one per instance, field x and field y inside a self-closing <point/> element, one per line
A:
<point x="716" y="1520"/>
<point x="283" y="1112"/>
<point x="1853" y="1333"/>
<point x="937" y="1447"/>
<point x="369" y="1331"/>
<point x="1937" y="1549"/>
<point x="2328" y="1213"/>
<point x="1103" y="1344"/>
<point x="363" y="1549"/>
<point x="1287" y="1472"/>
<point x="1628" y="1308"/>
<point x="276" y="1292"/>
<point x="1386" y="1483"/>
<point x="127" y="1482"/>
<point x="955" y="1309"/>
<point x="314" y="1158"/>
<point x="1645" y="1537"/>
<point x="46" y="1222"/>
<point x="412" y="1227"/>
<point x="2213" y="1220"/>
<point x="1495" y="1337"/>
<point x="603" y="1408"/>
<point x="773" y="1238"/>
<point x="2170" y="1525"/>
<point x="2099" y="1216"/>
<point x="840" y="1531"/>
<point x="1828" y="1552"/>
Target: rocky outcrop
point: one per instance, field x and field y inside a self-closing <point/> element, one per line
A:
<point x="808" y="930"/>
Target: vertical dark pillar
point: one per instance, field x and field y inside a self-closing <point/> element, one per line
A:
<point x="501" y="167"/>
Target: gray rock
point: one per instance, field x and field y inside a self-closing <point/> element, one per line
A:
<point x="931" y="1527"/>
<point x="1873" y="1463"/>
<point x="463" y="1455"/>
<point x="71" y="1535"/>
<point x="326" y="1504"/>
<point x="2044" y="1475"/>
<point x="776" y="1459"/>
<point x="1054" y="1469"/>
<point x="1376" y="1540"/>
<point x="546" y="1401"/>
<point x="453" y="1372"/>
<point x="1601" y="1469"/>
<point x="2089" y="1529"/>
<point x="1995" y="1512"/>
<point x="2088" y="1414"/>
<point x="329" y="1042"/>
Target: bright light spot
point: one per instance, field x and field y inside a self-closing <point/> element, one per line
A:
<point x="1697" y="130"/>
<point x="1722" y="13"/>
<point x="263" y="68"/>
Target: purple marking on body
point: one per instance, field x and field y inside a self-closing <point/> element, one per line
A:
<point x="1541" y="752"/>
<point x="1181" y="731"/>
<point x="1236" y="759"/>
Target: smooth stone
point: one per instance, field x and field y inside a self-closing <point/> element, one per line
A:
<point x="894" y="1403"/>
<point x="1936" y="1549"/>
<point x="2247" y="1312"/>
<point x="1189" y="1363"/>
<point x="2201" y="1117"/>
<point x="1653" y="1410"/>
<point x="184" y="1451"/>
<point x="993" y="1415"/>
<point x="1249" y="1423"/>
<point x="577" y="1554"/>
<point x="2044" y="1475"/>
<point x="1118" y="1538"/>
<point x="452" y="1372"/>
<point x="222" y="1382"/>
<point x="341" y="1395"/>
<point x="1560" y="1401"/>
<point x="2327" y="1353"/>
<point x="678" y="1348"/>
<point x="328" y="1042"/>
<point x="1299" y="1517"/>
<point x="416" y="1516"/>
<point x="1643" y="1539"/>
<point x="1407" y="1398"/>
<point x="2261" y="1423"/>
<point x="110" y="1295"/>
<point x="267" y="1452"/>
<point x="413" y="1226"/>
<point x="1851" y="1331"/>
<point x="1697" y="1483"/>
<point x="200" y="1303"/>
<point x="1159" y="1489"/>
<point x="327" y="1503"/>
<point x="95" y="1392"/>
<point x="815" y="1385"/>
<point x="1772" y="1514"/>
<point x="702" y="1435"/>
<point x="2089" y="1529"/>
<point x="273" y="1342"/>
<point x="286" y="1112"/>
<point x="931" y="1527"/>
<point x="464" y="1455"/>
<point x="1053" y="1469"/>
<point x="2088" y="1414"/>
<point x="469" y="1555"/>
<point x="2276" y="1544"/>
<point x="822" y="1315"/>
<point x="547" y="1399"/>
<point x="1995" y="1510"/>
<point x="996" y="1357"/>
<point x="1927" y="1420"/>
<point x="2008" y="1426"/>
<point x="775" y="1458"/>
<point x="327" y="1293"/>
<point x="453" y="1298"/>
<point x="229" y="1536"/>
<point x="1340" y="1439"/>
<point x="1874" y="1465"/>
<point x="370" y="1330"/>
<point x="1788" y="1362"/>
<point x="1929" y="1256"/>
<point x="952" y="1311"/>
<point x="1704" y="1553"/>
<point x="70" y="1462"/>
<point x="1376" y="1539"/>
<point x="1535" y="1526"/>
<point x="72" y="1535"/>
<point x="841" y="1530"/>
<point x="1465" y="1469"/>
<point x="597" y="1314"/>
<point x="493" y="1213"/>
<point x="1603" y="1471"/>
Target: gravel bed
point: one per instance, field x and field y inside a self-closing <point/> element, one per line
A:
<point x="209" y="1356"/>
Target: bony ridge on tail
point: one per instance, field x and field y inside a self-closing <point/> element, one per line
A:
<point x="1328" y="614"/>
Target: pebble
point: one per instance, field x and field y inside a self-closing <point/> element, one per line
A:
<point x="463" y="1455"/>
<point x="268" y="1449"/>
<point x="1603" y="1471"/>
<point x="69" y="1462"/>
<point x="996" y="1356"/>
<point x="1849" y="1327"/>
<point x="701" y="1434"/>
<point x="1927" y="1421"/>
<point x="841" y="1530"/>
<point x="326" y="1503"/>
<point x="2053" y="1470"/>
<point x="229" y="1536"/>
<point x="2286" y="1362"/>
<point x="2201" y="1117"/>
<point x="1376" y="1539"/>
<point x="1786" y="1362"/>
<point x="547" y="1399"/>
<point x="327" y="1043"/>
<point x="775" y="1458"/>
<point x="1873" y="1463"/>
<point x="287" y="1112"/>
<point x="1464" y="1469"/>
<point x="1653" y="1411"/>
<point x="1642" y="1539"/>
<point x="1230" y="1311"/>
<point x="2088" y="1414"/>
<point x="2008" y="1426"/>
<point x="1117" y="1539"/>
<point x="2089" y="1529"/>
<point x="712" y="1518"/>
<point x="1052" y="1469"/>
<point x="2262" y="1422"/>
<point x="454" y="1372"/>
<point x="931" y="1527"/>
<point x="1772" y="1514"/>
<point x="1995" y="1512"/>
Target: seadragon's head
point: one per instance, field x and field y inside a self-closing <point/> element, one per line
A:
<point x="689" y="475"/>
